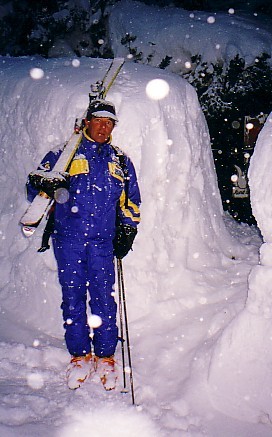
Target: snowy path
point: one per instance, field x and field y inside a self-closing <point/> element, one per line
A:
<point x="33" y="392"/>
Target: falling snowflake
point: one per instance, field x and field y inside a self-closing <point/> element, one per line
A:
<point x="157" y="89"/>
<point x="36" y="73"/>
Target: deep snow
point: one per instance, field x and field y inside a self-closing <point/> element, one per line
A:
<point x="180" y="34"/>
<point x="200" y="336"/>
<point x="183" y="287"/>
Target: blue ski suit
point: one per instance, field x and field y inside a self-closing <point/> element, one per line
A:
<point x="83" y="232"/>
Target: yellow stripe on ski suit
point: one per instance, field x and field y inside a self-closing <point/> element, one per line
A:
<point x="127" y="212"/>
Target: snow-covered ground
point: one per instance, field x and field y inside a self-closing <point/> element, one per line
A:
<point x="198" y="297"/>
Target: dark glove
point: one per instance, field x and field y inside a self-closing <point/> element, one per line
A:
<point x="48" y="181"/>
<point x="123" y="240"/>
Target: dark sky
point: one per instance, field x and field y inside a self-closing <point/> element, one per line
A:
<point x="259" y="6"/>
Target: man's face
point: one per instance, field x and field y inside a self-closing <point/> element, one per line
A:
<point x="99" y="128"/>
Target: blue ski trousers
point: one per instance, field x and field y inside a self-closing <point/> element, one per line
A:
<point x="87" y="269"/>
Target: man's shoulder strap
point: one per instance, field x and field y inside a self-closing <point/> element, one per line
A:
<point x="122" y="160"/>
<point x="118" y="151"/>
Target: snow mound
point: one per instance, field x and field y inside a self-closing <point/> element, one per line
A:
<point x="167" y="138"/>
<point x="260" y="180"/>
<point x="180" y="34"/>
<point x="241" y="367"/>
<point x="112" y="421"/>
<point x="185" y="280"/>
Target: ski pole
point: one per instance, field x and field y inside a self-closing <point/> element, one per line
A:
<point x="122" y="287"/>
<point x="121" y="327"/>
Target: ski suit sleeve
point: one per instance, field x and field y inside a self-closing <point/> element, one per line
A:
<point x="47" y="164"/>
<point x="128" y="213"/>
<point x="128" y="210"/>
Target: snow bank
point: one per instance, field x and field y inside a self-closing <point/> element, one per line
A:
<point x="180" y="34"/>
<point x="185" y="279"/>
<point x="260" y="179"/>
<point x="182" y="228"/>
<point x="241" y="367"/>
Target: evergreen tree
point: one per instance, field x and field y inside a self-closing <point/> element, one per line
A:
<point x="40" y="25"/>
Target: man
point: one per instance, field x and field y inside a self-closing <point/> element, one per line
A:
<point x="103" y="191"/>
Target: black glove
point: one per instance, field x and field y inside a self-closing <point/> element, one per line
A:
<point x="123" y="240"/>
<point x="48" y="181"/>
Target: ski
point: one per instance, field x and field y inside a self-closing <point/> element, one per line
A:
<point x="39" y="209"/>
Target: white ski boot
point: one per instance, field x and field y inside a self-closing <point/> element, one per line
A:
<point x="79" y="370"/>
<point x="107" y="371"/>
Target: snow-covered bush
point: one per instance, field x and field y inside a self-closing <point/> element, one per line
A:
<point x="55" y="28"/>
